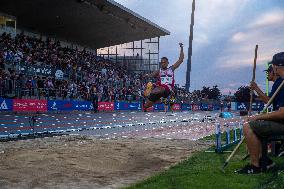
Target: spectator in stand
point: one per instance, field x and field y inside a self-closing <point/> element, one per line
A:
<point x="72" y="90"/>
<point x="229" y="106"/>
<point x="40" y="86"/>
<point x="28" y="87"/>
<point x="222" y="106"/>
<point x="95" y="99"/>
<point x="2" y="65"/>
<point x="49" y="87"/>
<point x="2" y="85"/>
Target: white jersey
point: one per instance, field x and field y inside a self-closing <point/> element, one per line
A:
<point x="166" y="77"/>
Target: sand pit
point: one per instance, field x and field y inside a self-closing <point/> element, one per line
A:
<point x="85" y="162"/>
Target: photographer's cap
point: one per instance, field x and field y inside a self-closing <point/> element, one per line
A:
<point x="278" y="59"/>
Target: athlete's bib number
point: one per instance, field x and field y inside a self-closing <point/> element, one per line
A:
<point x="166" y="80"/>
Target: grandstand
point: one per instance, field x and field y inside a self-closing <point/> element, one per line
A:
<point x="60" y="59"/>
<point x="92" y="24"/>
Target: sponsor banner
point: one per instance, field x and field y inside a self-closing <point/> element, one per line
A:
<point x="121" y="106"/>
<point x="176" y="107"/>
<point x="204" y="107"/>
<point x="186" y="107"/>
<point x="106" y="106"/>
<point x="42" y="70"/>
<point x="257" y="106"/>
<point x="60" y="105"/>
<point x="83" y="105"/>
<point x="242" y="106"/>
<point x="38" y="70"/>
<point x="127" y="106"/>
<point x="6" y="104"/>
<point x="159" y="106"/>
<point x="195" y="107"/>
<point x="216" y="107"/>
<point x="29" y="105"/>
<point x="134" y="106"/>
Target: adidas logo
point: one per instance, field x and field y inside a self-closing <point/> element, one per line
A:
<point x="250" y="171"/>
<point x="54" y="106"/>
<point x="3" y="106"/>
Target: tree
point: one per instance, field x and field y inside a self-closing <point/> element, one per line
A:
<point x="242" y="94"/>
<point x="205" y="92"/>
<point x="211" y="93"/>
<point x="215" y="93"/>
<point x="196" y="95"/>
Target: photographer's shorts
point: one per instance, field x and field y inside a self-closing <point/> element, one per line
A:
<point x="267" y="128"/>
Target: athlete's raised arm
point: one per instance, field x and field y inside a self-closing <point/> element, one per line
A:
<point x="181" y="57"/>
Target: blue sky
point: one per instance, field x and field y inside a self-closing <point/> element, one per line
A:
<point x="225" y="35"/>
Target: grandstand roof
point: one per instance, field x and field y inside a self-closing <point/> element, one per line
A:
<point x="91" y="23"/>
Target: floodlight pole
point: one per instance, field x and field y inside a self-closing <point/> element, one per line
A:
<point x="187" y="84"/>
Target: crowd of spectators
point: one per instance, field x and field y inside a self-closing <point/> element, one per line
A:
<point x="85" y="74"/>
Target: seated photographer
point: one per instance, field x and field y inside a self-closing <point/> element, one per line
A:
<point x="264" y="125"/>
<point x="271" y="76"/>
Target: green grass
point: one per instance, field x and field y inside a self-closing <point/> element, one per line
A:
<point x="213" y="137"/>
<point x="203" y="170"/>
